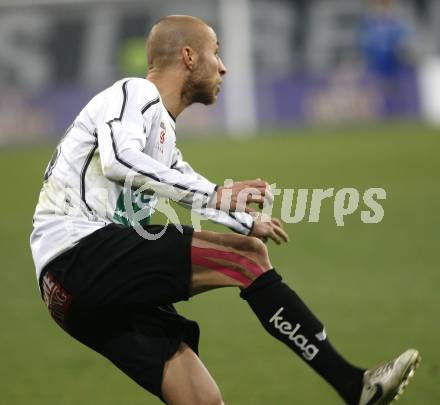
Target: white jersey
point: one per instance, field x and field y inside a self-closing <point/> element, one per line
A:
<point x="123" y="134"/>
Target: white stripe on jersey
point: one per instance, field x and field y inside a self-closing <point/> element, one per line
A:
<point x="123" y="131"/>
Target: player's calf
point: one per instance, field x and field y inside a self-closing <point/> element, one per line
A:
<point x="220" y="261"/>
<point x="186" y="381"/>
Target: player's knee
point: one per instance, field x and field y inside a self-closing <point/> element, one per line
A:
<point x="214" y="399"/>
<point x="258" y="251"/>
<point x="257" y="245"/>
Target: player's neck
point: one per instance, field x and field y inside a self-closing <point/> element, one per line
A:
<point x="170" y="89"/>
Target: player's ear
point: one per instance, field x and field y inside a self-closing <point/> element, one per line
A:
<point x="188" y="57"/>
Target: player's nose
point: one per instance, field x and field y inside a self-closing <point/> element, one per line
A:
<point x="222" y="68"/>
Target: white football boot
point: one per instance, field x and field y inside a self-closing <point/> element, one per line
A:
<point x="386" y="382"/>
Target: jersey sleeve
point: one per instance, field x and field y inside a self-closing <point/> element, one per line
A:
<point x="122" y="132"/>
<point x="239" y="222"/>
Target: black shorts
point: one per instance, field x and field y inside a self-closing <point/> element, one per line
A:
<point x="114" y="290"/>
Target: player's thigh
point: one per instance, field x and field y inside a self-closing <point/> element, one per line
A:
<point x="225" y="259"/>
<point x="186" y="380"/>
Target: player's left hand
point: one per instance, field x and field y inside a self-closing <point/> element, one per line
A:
<point x="266" y="228"/>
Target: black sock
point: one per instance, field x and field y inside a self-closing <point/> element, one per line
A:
<point x="286" y="317"/>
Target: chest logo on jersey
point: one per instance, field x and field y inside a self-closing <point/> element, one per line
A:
<point x="139" y="202"/>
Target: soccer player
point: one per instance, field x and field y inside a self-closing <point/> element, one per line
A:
<point x="110" y="283"/>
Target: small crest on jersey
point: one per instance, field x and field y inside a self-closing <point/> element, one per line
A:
<point x="162" y="137"/>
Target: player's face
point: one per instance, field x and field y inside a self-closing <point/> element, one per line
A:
<point x="207" y="76"/>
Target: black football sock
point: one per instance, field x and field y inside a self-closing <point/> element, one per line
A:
<point x="287" y="318"/>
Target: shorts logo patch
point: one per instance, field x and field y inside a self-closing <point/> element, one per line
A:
<point x="57" y="299"/>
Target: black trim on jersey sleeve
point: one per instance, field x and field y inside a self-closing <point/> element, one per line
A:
<point x="250" y="229"/>
<point x="150" y="175"/>
<point x="84" y="171"/>
<point x="129" y="165"/>
<point x="244" y="225"/>
<point x="149" y="104"/>
<point x="124" y="101"/>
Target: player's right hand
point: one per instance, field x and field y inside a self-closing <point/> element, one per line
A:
<point x="266" y="228"/>
<point x="237" y="196"/>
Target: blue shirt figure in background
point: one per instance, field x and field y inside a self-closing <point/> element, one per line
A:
<point x="384" y="42"/>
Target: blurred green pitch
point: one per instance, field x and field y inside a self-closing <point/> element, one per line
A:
<point x="376" y="287"/>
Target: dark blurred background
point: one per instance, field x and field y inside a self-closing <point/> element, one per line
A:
<point x="292" y="62"/>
